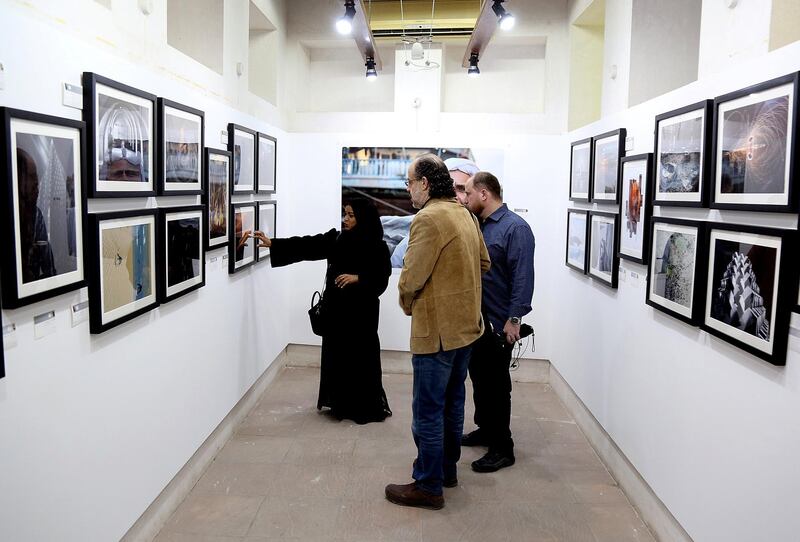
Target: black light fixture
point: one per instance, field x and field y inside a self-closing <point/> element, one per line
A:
<point x="504" y="18"/>
<point x="345" y="24"/>
<point x="473" y="70"/>
<point x="372" y="73"/>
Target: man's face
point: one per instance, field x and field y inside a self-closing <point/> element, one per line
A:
<point x="122" y="170"/>
<point x="473" y="198"/>
<point x="417" y="187"/>
<point x="460" y="185"/>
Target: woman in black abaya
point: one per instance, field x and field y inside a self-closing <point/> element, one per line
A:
<point x="358" y="272"/>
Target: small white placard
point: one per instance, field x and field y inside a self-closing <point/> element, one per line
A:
<point x="628" y="143"/>
<point x="520" y="210"/>
<point x="634" y="275"/>
<point x="9" y="335"/>
<point x="44" y="324"/>
<point x="224" y="257"/>
<point x="72" y="95"/>
<point x="80" y="313"/>
<point x="2" y="76"/>
<point x="223" y="137"/>
<point x="213" y="259"/>
<point x="621" y="274"/>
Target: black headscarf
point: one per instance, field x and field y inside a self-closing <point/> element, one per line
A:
<point x="368" y="224"/>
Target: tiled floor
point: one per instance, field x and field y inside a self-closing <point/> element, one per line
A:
<point x="292" y="473"/>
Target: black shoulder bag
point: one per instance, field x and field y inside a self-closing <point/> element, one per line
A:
<point x="316" y="313"/>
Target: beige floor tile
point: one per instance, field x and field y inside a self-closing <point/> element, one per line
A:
<point x="215" y="515"/>
<point x="617" y="523"/>
<point x="292" y="473"/>
<point x="253" y="479"/>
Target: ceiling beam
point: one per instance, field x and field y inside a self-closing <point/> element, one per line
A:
<point x="485" y="27"/>
<point x="363" y="35"/>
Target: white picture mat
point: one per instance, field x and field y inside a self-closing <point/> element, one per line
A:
<point x="123" y="186"/>
<point x="577" y="227"/>
<point x="225" y="160"/>
<point x="266" y="172"/>
<point x="656" y="298"/>
<point x="64" y="132"/>
<point x="245" y="173"/>
<point x="752" y="239"/>
<point x="132" y="307"/>
<point x="575" y="149"/>
<point x="633" y="246"/>
<point x="171" y="111"/>
<point x="756" y="97"/>
<point x="170" y="217"/>
<point x="681" y="196"/>
<point x="251" y="242"/>
<point x="608" y="276"/>
<point x="612" y="140"/>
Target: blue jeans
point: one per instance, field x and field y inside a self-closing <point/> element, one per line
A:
<point x="438" y="415"/>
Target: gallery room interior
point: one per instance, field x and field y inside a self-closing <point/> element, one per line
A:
<point x="159" y="377"/>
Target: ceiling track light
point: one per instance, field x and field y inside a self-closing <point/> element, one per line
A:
<point x="345" y="24"/>
<point x="372" y="73"/>
<point x="473" y="70"/>
<point x="504" y="18"/>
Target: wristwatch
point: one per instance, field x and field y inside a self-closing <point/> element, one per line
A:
<point x="516" y="320"/>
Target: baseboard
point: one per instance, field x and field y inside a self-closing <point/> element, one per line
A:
<point x="395" y="362"/>
<point x="651" y="509"/>
<point x="161" y="509"/>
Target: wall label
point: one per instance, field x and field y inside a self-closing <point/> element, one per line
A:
<point x="72" y="95"/>
<point x="80" y="313"/>
<point x="44" y="324"/>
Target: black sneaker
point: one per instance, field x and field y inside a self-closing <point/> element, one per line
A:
<point x="450" y="482"/>
<point x="474" y="438"/>
<point x="493" y="461"/>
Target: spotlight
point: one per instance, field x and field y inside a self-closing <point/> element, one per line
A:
<point x="473" y="70"/>
<point x="345" y="24"/>
<point x="372" y="73"/>
<point x="504" y="18"/>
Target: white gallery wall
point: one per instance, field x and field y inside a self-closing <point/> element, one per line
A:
<point x="94" y="427"/>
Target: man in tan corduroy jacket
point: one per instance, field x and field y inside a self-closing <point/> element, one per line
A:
<point x="440" y="287"/>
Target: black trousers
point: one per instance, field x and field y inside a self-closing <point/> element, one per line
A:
<point x="491" y="383"/>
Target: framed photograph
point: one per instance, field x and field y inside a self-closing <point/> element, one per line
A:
<point x="217" y="197"/>
<point x="677" y="268"/>
<point x="43" y="198"/>
<point x="181" y="140"/>
<point x="266" y="220"/>
<point x="580" y="170"/>
<point x="577" y="235"/>
<point x="242" y="145"/>
<point x="751" y="282"/>
<point x="123" y="280"/>
<point x="607" y="149"/>
<point x="603" y="235"/>
<point x="267" y="164"/>
<point x="241" y="252"/>
<point x="182" y="260"/>
<point x="634" y="207"/>
<point x="120" y="128"/>
<point x="755" y="142"/>
<point x="683" y="156"/>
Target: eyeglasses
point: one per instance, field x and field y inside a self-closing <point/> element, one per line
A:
<point x="408" y="181"/>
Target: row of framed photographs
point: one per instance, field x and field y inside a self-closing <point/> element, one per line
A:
<point x="124" y="125"/>
<point x="737" y="151"/>
<point x="737" y="282"/>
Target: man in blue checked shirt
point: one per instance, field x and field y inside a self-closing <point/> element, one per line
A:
<point x="506" y="298"/>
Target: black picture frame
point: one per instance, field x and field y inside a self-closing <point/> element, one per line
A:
<point x="633" y="225"/>
<point x="236" y="188"/>
<point x="263" y="253"/>
<point x="166" y="188"/>
<point x="98" y="323"/>
<point x="570" y="263"/>
<point x="2" y="349"/>
<point x="579" y="145"/>
<point x="263" y="187"/>
<point x="167" y="292"/>
<point x="679" y="198"/>
<point x="610" y="279"/>
<point x="218" y="211"/>
<point x="104" y="188"/>
<point x="761" y="149"/>
<point x="64" y="242"/>
<point x="616" y="154"/>
<point x="677" y="309"/>
<point x="774" y="299"/>
<point x="233" y="266"/>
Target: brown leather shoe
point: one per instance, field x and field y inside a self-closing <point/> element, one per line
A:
<point x="411" y="495"/>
